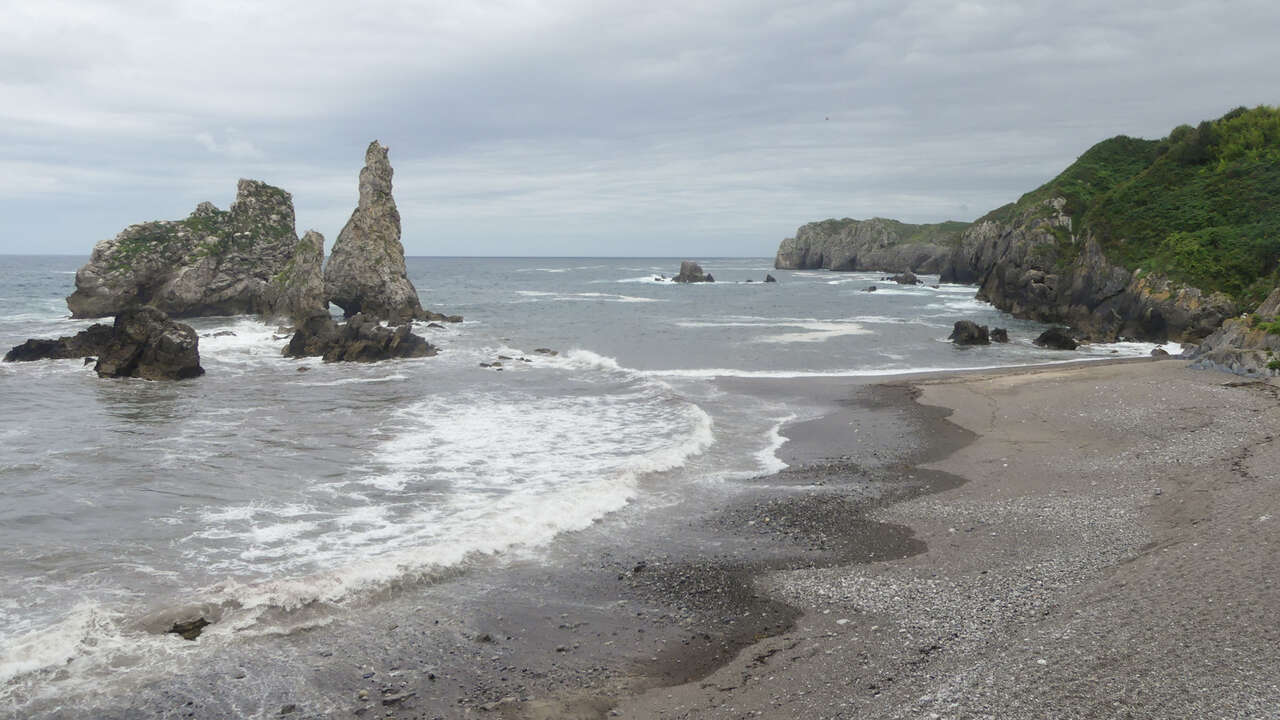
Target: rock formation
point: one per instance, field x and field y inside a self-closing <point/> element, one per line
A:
<point x="967" y="332"/>
<point x="366" y="272"/>
<point x="360" y="339"/>
<point x="1056" y="338"/>
<point x="297" y="291"/>
<point x="906" y="278"/>
<point x="1000" y="335"/>
<point x="691" y="272"/>
<point x="212" y="263"/>
<point x="1248" y="345"/>
<point x="875" y="244"/>
<point x="143" y="342"/>
<point x="769" y="278"/>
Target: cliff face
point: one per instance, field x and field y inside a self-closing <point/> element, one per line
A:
<point x="1245" y="345"/>
<point x="366" y="271"/>
<point x="1033" y="267"/>
<point x="214" y="262"/>
<point x="875" y="244"/>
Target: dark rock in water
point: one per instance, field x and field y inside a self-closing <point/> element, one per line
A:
<point x="770" y="278"/>
<point x="1056" y="338"/>
<point x="360" y="339"/>
<point x="190" y="629"/>
<point x="691" y="272"/>
<point x="710" y="278"/>
<point x="146" y="344"/>
<point x="90" y="361"/>
<point x="304" y="369"/>
<point x="906" y="278"/>
<point x="935" y="287"/>
<point x="546" y="351"/>
<point x="435" y="326"/>
<point x="967" y="332"/>
<point x="82" y="344"/>
<point x="1159" y="352"/>
<point x="748" y="280"/>
<point x="869" y="288"/>
<point x="220" y="333"/>
<point x="999" y="335"/>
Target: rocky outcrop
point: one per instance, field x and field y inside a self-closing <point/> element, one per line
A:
<point x="967" y="332"/>
<point x="875" y="244"/>
<point x="297" y="291"/>
<point x="214" y="262"/>
<point x="1248" y="345"/>
<point x="143" y="343"/>
<point x="1056" y="338"/>
<point x="366" y="272"/>
<point x="906" y="278"/>
<point x="691" y="272"/>
<point x="1000" y="335"/>
<point x="1030" y="264"/>
<point x="359" y="339"/>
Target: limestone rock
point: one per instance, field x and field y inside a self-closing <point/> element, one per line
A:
<point x="1244" y="345"/>
<point x="214" y="262"/>
<point x="967" y="332"/>
<point x="143" y="343"/>
<point x="691" y="272"/>
<point x="366" y="272"/>
<point x="297" y="291"/>
<point x="82" y="344"/>
<point x="360" y="339"/>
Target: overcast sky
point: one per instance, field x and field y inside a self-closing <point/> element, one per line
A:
<point x="591" y="128"/>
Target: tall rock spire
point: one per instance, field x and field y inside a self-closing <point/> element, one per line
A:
<point x="366" y="272"/>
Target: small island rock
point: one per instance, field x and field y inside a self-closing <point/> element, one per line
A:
<point x="1056" y="338"/>
<point x="967" y="332"/>
<point x="691" y="272"/>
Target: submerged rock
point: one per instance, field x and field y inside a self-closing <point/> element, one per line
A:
<point x="214" y="262"/>
<point x="967" y="332"/>
<point x="366" y="271"/>
<point x="143" y="343"/>
<point x="360" y="339"/>
<point x="691" y="272"/>
<point x="1056" y="338"/>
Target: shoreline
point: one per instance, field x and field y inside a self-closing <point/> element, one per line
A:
<point x="1053" y="574"/>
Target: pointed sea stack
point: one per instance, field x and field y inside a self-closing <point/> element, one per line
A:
<point x="366" y="272"/>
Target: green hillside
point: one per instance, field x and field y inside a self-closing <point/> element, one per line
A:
<point x="1201" y="206"/>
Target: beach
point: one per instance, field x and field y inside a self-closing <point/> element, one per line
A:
<point x="1109" y="551"/>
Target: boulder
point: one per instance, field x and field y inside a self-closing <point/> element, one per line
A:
<point x="770" y="278"/>
<point x="359" y="339"/>
<point x="967" y="332"/>
<point x="999" y="335"/>
<point x="1056" y="338"/>
<point x="366" y="271"/>
<point x="869" y="288"/>
<point x="1159" y="352"/>
<point x="143" y="343"/>
<point x="214" y="262"/>
<point x="906" y="278"/>
<point x="691" y="272"/>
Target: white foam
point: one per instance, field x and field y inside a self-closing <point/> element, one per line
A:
<point x="585" y="297"/>
<point x="817" y="332"/>
<point x="357" y="381"/>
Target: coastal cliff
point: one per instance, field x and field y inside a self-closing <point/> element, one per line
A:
<point x="1145" y="239"/>
<point x="215" y="262"/>
<point x="875" y="244"/>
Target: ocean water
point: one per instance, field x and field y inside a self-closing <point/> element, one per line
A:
<point x="261" y="495"/>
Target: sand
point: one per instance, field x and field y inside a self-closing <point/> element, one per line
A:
<point x="1113" y="552"/>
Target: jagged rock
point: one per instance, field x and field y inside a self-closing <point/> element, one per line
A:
<point x="143" y="343"/>
<point x="212" y="263"/>
<point x="967" y="332"/>
<point x="297" y="291"/>
<point x="82" y="344"/>
<point x="1056" y="338"/>
<point x="1000" y="335"/>
<point x="691" y="272"/>
<point x="906" y="278"/>
<point x="1245" y="345"/>
<point x="359" y="339"/>
<point x="770" y="278"/>
<point x="366" y="272"/>
<point x="875" y="244"/>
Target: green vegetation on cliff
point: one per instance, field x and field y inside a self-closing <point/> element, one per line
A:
<point x="1201" y="206"/>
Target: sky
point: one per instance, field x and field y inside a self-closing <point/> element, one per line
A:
<point x="567" y="128"/>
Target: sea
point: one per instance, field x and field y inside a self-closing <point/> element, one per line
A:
<point x="272" y="485"/>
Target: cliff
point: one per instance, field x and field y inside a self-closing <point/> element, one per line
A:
<point x="1246" y="345"/>
<point x="1146" y="239"/>
<point x="875" y="244"/>
<point x="214" y="262"/>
